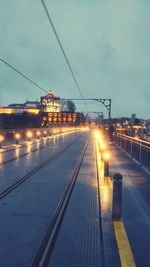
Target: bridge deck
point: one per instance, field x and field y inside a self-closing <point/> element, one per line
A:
<point x="86" y="236"/>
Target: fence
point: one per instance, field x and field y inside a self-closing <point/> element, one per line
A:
<point x="136" y="148"/>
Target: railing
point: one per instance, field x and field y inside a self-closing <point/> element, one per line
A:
<point x="135" y="147"/>
<point x="32" y="133"/>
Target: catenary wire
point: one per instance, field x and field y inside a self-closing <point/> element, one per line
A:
<point x="63" y="51"/>
<point x="23" y="75"/>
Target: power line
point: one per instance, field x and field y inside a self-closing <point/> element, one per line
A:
<point x="62" y="49"/>
<point x="23" y="75"/>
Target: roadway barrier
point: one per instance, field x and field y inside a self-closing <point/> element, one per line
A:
<point x="135" y="147"/>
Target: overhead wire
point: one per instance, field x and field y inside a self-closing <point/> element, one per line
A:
<point x="23" y="75"/>
<point x="63" y="51"/>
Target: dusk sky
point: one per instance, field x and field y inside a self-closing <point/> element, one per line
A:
<point x="106" y="41"/>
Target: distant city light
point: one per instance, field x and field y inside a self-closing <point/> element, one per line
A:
<point x="17" y="136"/>
<point x="29" y="134"/>
<point x="38" y="133"/>
<point x="103" y="146"/>
<point x="1" y="138"/>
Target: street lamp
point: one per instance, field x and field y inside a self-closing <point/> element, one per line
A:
<point x="103" y="146"/>
<point x="29" y="135"/>
<point x="1" y="140"/>
<point x="38" y="133"/>
<point x="45" y="132"/>
<point x="17" y="136"/>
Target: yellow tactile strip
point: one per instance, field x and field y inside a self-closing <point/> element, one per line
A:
<point x="125" y="252"/>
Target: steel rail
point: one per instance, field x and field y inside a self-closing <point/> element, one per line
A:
<point x="34" y="141"/>
<point x="32" y="172"/>
<point x="21" y="156"/>
<point x="44" y="252"/>
<point x="21" y="145"/>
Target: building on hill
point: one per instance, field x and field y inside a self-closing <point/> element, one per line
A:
<point x="50" y="110"/>
<point x="50" y="103"/>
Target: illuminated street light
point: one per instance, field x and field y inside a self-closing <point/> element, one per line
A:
<point x="38" y="133"/>
<point x="98" y="136"/>
<point x="96" y="132"/>
<point x="29" y="135"/>
<point x="17" y="136"/>
<point x="103" y="146"/>
<point x="45" y="133"/>
<point x="1" y="140"/>
<point x="106" y="156"/>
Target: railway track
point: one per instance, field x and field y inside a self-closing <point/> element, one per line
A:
<point x="36" y="169"/>
<point x="22" y="145"/>
<point x="20" y="156"/>
<point x="24" y="154"/>
<point x="45" y="249"/>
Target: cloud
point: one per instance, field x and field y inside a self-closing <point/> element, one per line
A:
<point x="107" y="43"/>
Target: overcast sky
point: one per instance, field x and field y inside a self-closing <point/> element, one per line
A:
<point x="107" y="43"/>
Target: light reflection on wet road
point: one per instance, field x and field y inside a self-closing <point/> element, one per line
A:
<point x="26" y="211"/>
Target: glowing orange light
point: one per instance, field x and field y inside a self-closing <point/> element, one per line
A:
<point x="29" y="134"/>
<point x="33" y="111"/>
<point x="106" y="155"/>
<point x="17" y="136"/>
<point x="96" y="132"/>
<point x="1" y="138"/>
<point x="38" y="133"/>
<point x="103" y="146"/>
<point x="98" y="136"/>
<point x="6" y="111"/>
